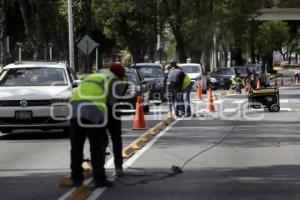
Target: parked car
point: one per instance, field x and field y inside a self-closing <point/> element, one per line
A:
<point x="155" y="77"/>
<point x="196" y="73"/>
<point x="221" y="78"/>
<point x="35" y="95"/>
<point x="242" y="70"/>
<point x="137" y="87"/>
<point x="262" y="74"/>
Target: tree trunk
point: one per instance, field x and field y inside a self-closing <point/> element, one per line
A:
<point x="180" y="47"/>
<point x="175" y="26"/>
<point x="137" y="55"/>
<point x="3" y="12"/>
<point x="28" y="28"/>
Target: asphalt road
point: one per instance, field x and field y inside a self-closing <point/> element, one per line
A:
<point x="255" y="157"/>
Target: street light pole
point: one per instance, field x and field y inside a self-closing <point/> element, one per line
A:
<point x="71" y="34"/>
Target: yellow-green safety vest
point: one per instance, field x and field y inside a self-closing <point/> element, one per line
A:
<point x="95" y="89"/>
<point x="186" y="82"/>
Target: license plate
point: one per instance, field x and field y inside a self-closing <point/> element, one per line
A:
<point x="23" y="115"/>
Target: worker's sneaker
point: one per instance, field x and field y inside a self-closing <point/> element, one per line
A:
<point x="104" y="183"/>
<point x="119" y="172"/>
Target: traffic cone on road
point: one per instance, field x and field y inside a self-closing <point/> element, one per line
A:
<point x="199" y="92"/>
<point x="210" y="107"/>
<point x="139" y="118"/>
<point x="258" y="85"/>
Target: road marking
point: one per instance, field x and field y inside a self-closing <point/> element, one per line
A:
<point x="284" y="101"/>
<point x="99" y="191"/>
<point x="230" y="110"/>
<point x="239" y="101"/>
<point x="286" y="109"/>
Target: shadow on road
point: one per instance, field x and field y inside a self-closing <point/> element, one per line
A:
<point x="269" y="182"/>
<point x="36" y="135"/>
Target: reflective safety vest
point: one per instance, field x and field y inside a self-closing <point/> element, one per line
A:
<point x="186" y="82"/>
<point x="95" y="89"/>
<point x="237" y="80"/>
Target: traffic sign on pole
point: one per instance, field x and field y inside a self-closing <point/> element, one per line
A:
<point x="87" y="45"/>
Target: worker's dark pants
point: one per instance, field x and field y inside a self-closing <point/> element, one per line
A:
<point x="114" y="127"/>
<point x="98" y="143"/>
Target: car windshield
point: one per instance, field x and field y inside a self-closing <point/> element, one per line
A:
<point x="224" y="71"/>
<point x="35" y="76"/>
<point x="241" y="70"/>
<point x="132" y="78"/>
<point x="190" y="68"/>
<point x="150" y="71"/>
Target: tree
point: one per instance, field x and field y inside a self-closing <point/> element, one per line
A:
<point x="272" y="37"/>
<point x="131" y="23"/>
<point x="4" y="6"/>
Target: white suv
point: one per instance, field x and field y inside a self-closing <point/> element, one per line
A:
<point x="196" y="73"/>
<point x="35" y="95"/>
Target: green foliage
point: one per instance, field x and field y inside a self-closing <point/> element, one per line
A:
<point x="272" y="36"/>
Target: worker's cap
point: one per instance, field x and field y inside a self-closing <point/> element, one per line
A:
<point x="117" y="69"/>
<point x="173" y="62"/>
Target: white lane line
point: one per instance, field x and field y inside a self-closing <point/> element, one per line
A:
<point x="284" y="101"/>
<point x="98" y="192"/>
<point x="286" y="109"/>
<point x="230" y="110"/>
<point x="239" y="101"/>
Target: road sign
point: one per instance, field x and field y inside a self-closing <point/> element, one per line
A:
<point x="87" y="45"/>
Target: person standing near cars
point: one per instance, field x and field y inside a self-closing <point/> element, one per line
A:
<point x="179" y="87"/>
<point x="91" y="102"/>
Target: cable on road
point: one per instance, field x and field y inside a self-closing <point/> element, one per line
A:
<point x="175" y="170"/>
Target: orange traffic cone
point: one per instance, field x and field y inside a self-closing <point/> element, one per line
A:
<point x="258" y="86"/>
<point x="139" y="119"/>
<point x="210" y="102"/>
<point x="199" y="92"/>
<point x="246" y="89"/>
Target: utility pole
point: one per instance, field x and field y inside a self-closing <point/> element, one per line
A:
<point x="71" y="34"/>
<point x="158" y="45"/>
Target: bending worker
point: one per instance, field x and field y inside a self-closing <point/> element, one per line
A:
<point x="92" y="104"/>
<point x="180" y="87"/>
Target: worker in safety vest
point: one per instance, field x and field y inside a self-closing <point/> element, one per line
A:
<point x="92" y="102"/>
<point x="179" y="87"/>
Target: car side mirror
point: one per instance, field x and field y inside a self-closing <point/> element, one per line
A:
<point x="76" y="83"/>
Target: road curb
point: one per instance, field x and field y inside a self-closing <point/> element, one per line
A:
<point x="140" y="142"/>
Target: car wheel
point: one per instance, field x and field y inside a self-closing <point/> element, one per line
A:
<point x="146" y="109"/>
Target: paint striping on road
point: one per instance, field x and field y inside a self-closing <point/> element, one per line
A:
<point x="239" y="101"/>
<point x="99" y="191"/>
<point x="284" y="101"/>
<point x="286" y="109"/>
<point x="230" y="110"/>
